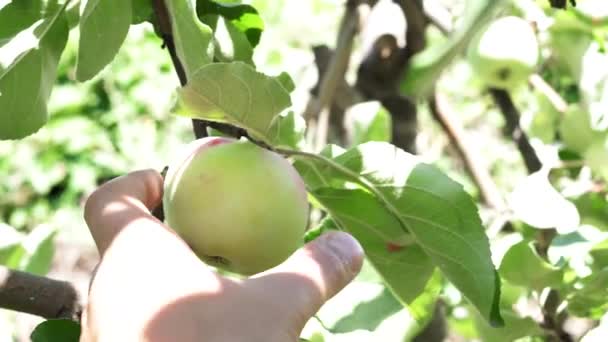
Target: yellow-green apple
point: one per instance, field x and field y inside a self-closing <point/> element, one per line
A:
<point x="505" y="54"/>
<point x="240" y="207"/>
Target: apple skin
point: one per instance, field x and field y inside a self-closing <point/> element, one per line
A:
<point x="505" y="54"/>
<point x="241" y="208"/>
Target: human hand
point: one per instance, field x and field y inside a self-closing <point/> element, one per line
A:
<point x="149" y="285"/>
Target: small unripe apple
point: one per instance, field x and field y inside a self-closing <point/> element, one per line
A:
<point x="505" y="54"/>
<point x="240" y="207"/>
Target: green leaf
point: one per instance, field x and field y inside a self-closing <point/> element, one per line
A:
<point x="418" y="199"/>
<point x="405" y="268"/>
<point x="599" y="253"/>
<point x="426" y="67"/>
<point x="55" y="330"/>
<point x="236" y="93"/>
<point x="593" y="208"/>
<point x="141" y="10"/>
<point x="591" y="296"/>
<point x="39" y="250"/>
<point x="104" y="25"/>
<point x="515" y="327"/>
<point x="522" y="266"/>
<point x="573" y="249"/>
<point x="243" y="17"/>
<point x="575" y="130"/>
<point x="231" y="44"/>
<point x="596" y="157"/>
<point x="325" y="225"/>
<point x="28" y="73"/>
<point x="370" y="122"/>
<point x="369" y="314"/>
<point x="237" y="29"/>
<point x="536" y="202"/>
<point x="568" y="42"/>
<point x="545" y="121"/>
<point x="192" y="38"/>
<point x="17" y="16"/>
<point x="10" y="242"/>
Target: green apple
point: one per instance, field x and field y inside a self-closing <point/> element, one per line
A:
<point x="239" y="207"/>
<point x="505" y="54"/>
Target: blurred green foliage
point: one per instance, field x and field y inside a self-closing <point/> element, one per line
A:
<point x="113" y="124"/>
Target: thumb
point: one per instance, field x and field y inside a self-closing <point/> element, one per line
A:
<point x="313" y="274"/>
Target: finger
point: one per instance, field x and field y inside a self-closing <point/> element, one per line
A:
<point x="315" y="273"/>
<point x="120" y="202"/>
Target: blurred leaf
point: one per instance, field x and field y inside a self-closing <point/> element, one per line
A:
<point x="289" y="131"/>
<point x="326" y="224"/>
<point x="593" y="85"/>
<point x="237" y="94"/>
<point x="400" y="205"/>
<point x="286" y="82"/>
<point x="369" y="314"/>
<point x="574" y="249"/>
<point x="10" y="242"/>
<point x="515" y="327"/>
<point x="104" y="25"/>
<point x="192" y="38"/>
<point x="337" y="319"/>
<point x="536" y="202"/>
<point x="590" y="299"/>
<point x="243" y="17"/>
<point x="593" y="208"/>
<point x="370" y="122"/>
<point x="596" y="157"/>
<point x="39" y="250"/>
<point x="523" y="266"/>
<point x="27" y="73"/>
<point x="423" y="307"/>
<point x="576" y="132"/>
<point x="237" y="29"/>
<point x="568" y="42"/>
<point x="141" y="11"/>
<point x="231" y="44"/>
<point x="545" y="121"/>
<point x="17" y="16"/>
<point x="426" y="66"/>
<point x="599" y="252"/>
<point x="55" y="330"/>
<point x="72" y="14"/>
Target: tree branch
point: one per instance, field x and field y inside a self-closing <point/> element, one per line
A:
<point x="338" y="63"/>
<point x="475" y="165"/>
<point x="40" y="296"/>
<point x="511" y="115"/>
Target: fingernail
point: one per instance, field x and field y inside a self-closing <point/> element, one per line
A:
<point x="346" y="247"/>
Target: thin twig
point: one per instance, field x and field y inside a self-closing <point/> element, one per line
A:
<point x="334" y="74"/>
<point x="545" y="88"/>
<point x="40" y="296"/>
<point x="199" y="127"/>
<point x="338" y="63"/>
